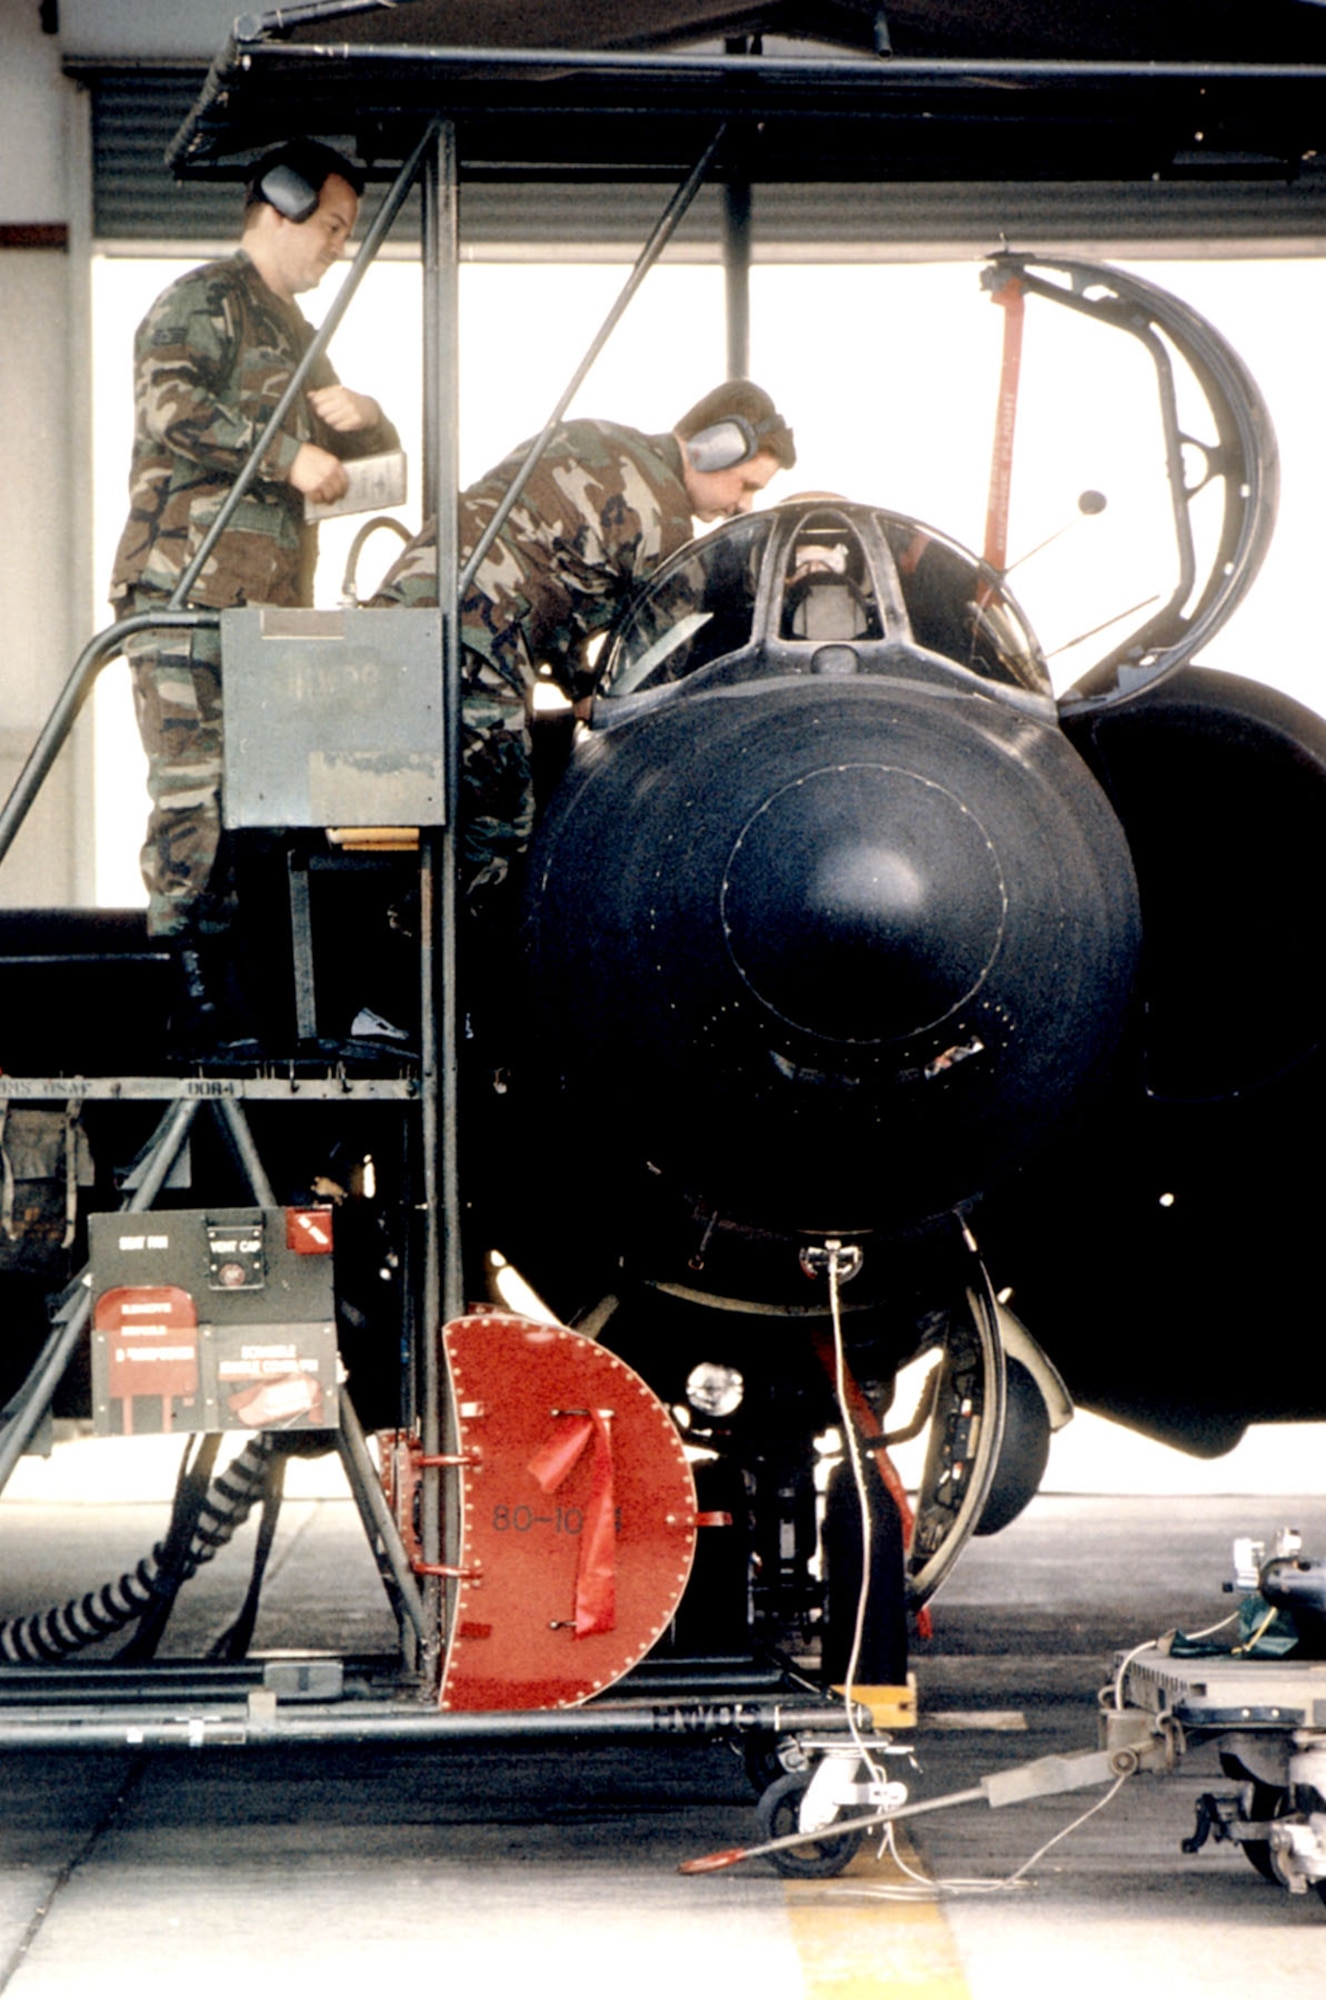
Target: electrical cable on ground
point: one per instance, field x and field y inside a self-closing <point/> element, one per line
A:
<point x="44" y="1638"/>
<point x="937" y="1889"/>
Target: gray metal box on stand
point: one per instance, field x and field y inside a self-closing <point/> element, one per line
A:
<point x="333" y="718"/>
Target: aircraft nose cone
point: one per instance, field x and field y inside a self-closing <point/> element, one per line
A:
<point x="863" y="903"/>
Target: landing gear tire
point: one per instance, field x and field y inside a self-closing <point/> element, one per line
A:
<point x="1023" y="1454"/>
<point x="779" y="1813"/>
<point x="966" y="1432"/>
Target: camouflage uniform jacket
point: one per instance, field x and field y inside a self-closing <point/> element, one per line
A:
<point x="602" y="508"/>
<point x="210" y="361"/>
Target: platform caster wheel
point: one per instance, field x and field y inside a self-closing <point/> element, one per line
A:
<point x="1267" y="1802"/>
<point x="779" y="1813"/>
<point x="764" y="1767"/>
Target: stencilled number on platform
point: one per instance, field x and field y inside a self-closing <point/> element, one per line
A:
<point x="519" y="1520"/>
<point x="562" y="1520"/>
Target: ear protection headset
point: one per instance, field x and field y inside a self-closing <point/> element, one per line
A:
<point x="288" y="192"/>
<point x="729" y="442"/>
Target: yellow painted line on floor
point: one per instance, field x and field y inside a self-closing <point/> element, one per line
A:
<point x="855" y="1946"/>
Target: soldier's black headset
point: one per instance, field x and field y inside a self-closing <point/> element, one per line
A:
<point x="289" y="192"/>
<point x="731" y="441"/>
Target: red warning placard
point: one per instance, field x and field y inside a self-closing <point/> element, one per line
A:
<point x="150" y="1347"/>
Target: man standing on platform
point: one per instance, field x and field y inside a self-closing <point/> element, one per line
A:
<point x="211" y="360"/>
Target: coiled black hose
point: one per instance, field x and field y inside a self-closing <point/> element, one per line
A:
<point x="43" y="1638"/>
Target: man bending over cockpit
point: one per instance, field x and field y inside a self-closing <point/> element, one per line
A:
<point x="602" y="508"/>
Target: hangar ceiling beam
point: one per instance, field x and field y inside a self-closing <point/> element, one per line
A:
<point x="1239" y="206"/>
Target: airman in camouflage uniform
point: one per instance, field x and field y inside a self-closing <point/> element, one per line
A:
<point x="602" y="507"/>
<point x="211" y="359"/>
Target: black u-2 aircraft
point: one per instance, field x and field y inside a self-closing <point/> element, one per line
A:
<point x="875" y="1003"/>
<point x="850" y="943"/>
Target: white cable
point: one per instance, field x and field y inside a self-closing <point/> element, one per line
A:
<point x="937" y="1889"/>
<point x="921" y="1888"/>
<point x="1072" y="1827"/>
<point x="1128" y="1658"/>
<point x="1207" y="1630"/>
<point x="867" y="1525"/>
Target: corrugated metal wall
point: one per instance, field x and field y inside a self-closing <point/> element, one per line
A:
<point x="138" y="202"/>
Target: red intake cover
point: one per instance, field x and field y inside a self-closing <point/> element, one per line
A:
<point x="577" y="1519"/>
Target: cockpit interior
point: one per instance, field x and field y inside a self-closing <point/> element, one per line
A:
<point x="825" y="575"/>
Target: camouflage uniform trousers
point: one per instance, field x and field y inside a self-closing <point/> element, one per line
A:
<point x="496" y="777"/>
<point x="177" y="701"/>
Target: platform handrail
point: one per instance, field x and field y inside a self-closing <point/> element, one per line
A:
<point x="103" y="647"/>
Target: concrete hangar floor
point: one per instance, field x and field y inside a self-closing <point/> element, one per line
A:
<point x="209" y="1874"/>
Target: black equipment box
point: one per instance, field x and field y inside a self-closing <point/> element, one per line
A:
<point x="213" y="1320"/>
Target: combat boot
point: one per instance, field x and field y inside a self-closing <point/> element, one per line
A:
<point x="205" y="1019"/>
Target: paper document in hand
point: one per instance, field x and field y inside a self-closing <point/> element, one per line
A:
<point x="376" y="481"/>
